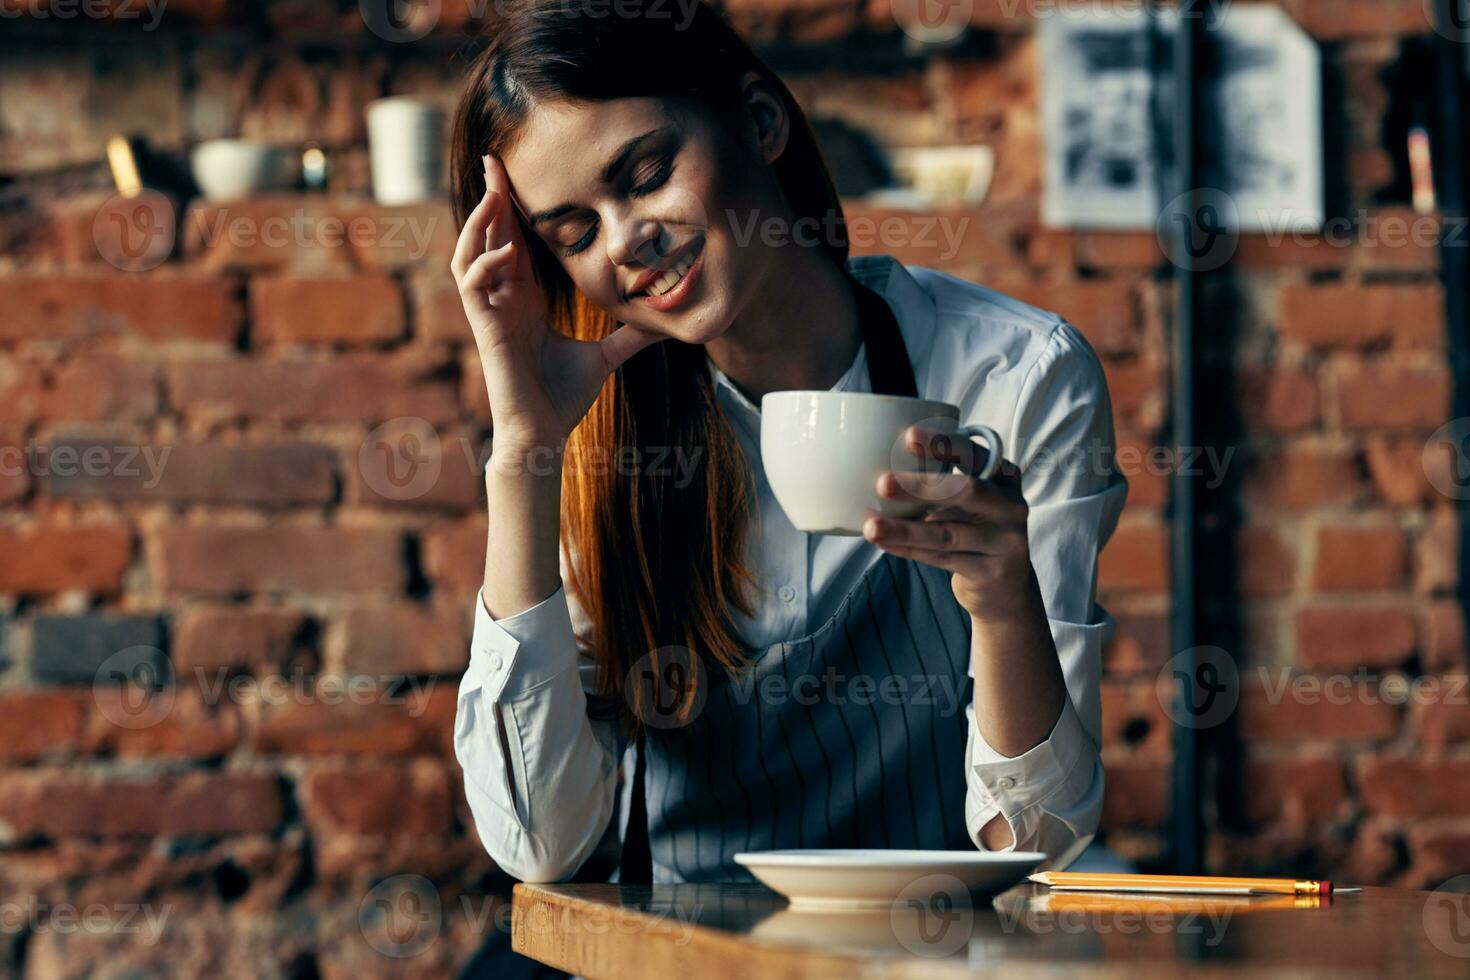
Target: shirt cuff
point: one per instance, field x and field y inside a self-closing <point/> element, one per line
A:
<point x="510" y="657"/>
<point x="1011" y="785"/>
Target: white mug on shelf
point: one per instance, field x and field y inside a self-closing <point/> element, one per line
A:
<point x="405" y="144"/>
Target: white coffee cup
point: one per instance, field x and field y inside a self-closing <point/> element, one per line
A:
<point x="823" y="452"/>
<point x="405" y="145"/>
<point x="230" y="169"/>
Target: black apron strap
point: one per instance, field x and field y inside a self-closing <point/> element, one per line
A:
<point x="888" y="359"/>
<point x="891" y="373"/>
<point x="636" y="867"/>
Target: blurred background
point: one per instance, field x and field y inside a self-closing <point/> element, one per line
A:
<point x="242" y="424"/>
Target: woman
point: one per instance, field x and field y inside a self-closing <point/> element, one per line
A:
<point x="650" y="242"/>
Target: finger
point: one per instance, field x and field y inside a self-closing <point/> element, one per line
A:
<point x="948" y="535"/>
<point x="961" y="536"/>
<point x="957" y="449"/>
<point x="626" y="341"/>
<point x="502" y="224"/>
<point x="485" y="273"/>
<point x="952" y="448"/>
<point x="471" y="241"/>
<point x="954" y="561"/>
<point x="959" y="491"/>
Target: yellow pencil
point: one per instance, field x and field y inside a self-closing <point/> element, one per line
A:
<point x="1181" y="884"/>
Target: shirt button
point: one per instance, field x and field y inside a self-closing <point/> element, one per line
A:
<point x="786" y="592"/>
<point x="1006" y="782"/>
<point x="495" y="662"/>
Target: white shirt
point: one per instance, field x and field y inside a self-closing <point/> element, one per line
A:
<point x="1026" y="373"/>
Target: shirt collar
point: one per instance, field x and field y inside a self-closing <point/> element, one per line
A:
<point x="913" y="307"/>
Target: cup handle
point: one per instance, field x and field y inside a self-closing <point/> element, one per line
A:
<point x="993" y="447"/>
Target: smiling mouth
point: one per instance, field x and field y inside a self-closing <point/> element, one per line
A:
<point x="672" y="276"/>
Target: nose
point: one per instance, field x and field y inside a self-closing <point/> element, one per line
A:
<point x="637" y="241"/>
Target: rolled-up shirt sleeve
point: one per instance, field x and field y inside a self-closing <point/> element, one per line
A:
<point x="1062" y="440"/>
<point x="540" y="775"/>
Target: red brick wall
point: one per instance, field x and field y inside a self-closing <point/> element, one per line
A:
<point x="273" y="553"/>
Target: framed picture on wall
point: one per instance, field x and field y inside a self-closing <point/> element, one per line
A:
<point x="1107" y="114"/>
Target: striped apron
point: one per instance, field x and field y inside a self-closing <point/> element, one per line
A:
<point x="853" y="736"/>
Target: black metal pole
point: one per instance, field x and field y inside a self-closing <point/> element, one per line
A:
<point x="1452" y="45"/>
<point x="1185" y="817"/>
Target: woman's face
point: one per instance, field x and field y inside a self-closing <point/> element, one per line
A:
<point x="616" y="189"/>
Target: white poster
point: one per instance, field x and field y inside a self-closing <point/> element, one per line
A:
<point x="1107" y="113"/>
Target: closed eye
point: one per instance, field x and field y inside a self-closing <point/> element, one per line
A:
<point x="663" y="170"/>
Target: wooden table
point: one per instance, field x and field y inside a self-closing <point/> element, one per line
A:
<point x="689" y="932"/>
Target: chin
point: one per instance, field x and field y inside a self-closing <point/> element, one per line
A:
<point x="696" y="325"/>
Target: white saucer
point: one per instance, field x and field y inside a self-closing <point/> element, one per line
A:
<point x="865" y="879"/>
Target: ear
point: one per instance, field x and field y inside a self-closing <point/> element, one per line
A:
<point x="766" y="118"/>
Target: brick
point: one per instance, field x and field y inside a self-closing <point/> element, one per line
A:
<point x="355" y="310"/>
<point x="1133" y="717"/>
<point x="454" y="555"/>
<point x="1357" y="557"/>
<point x="1294" y="791"/>
<point x="415" y="717"/>
<point x="397" y="638"/>
<point x="61" y="104"/>
<point x="1136" y="389"/>
<point x="372" y="801"/>
<point x="1266" y="561"/>
<point x="51" y="803"/>
<point x="1382" y="395"/>
<point x="398" y="237"/>
<point x="193" y="472"/>
<point x="1354" y="315"/>
<point x="1406" y="786"/>
<point x="1444" y="635"/>
<point x="1343" y="638"/>
<point x="1437" y="553"/>
<point x="218" y="637"/>
<point x="1134" y="251"/>
<point x="1441" y="708"/>
<point x="153" y="307"/>
<point x="189" y="721"/>
<point x="1398" y="240"/>
<point x="1147" y="466"/>
<point x="1137" y="791"/>
<point x="473" y="394"/>
<point x="406" y="463"/>
<point x="1277" y="707"/>
<point x="72" y="649"/>
<point x="84" y="388"/>
<point x="1136" y="558"/>
<point x="1140" y="642"/>
<point x="356" y="387"/>
<point x="15" y="476"/>
<point x="50" y="558"/>
<point x="225" y="560"/>
<point x="35" y="724"/>
<point x="438" y="311"/>
<point x="268" y="232"/>
<point x="951" y="240"/>
<point x="1277" y="399"/>
<point x="1292" y="250"/>
<point x="1304" y="475"/>
<point x="1397" y="467"/>
<point x="1103" y="309"/>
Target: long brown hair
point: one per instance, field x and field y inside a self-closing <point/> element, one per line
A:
<point x="654" y="564"/>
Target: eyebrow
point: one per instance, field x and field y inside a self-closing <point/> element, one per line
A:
<point x="617" y="163"/>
